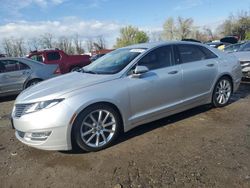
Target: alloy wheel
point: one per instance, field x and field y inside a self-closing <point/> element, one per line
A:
<point x="98" y="128"/>
<point x="223" y="91"/>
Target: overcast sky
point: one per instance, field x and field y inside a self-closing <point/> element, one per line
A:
<point x="91" y="18"/>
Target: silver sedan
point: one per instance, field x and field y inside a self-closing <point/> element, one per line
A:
<point x="17" y="74"/>
<point x="121" y="90"/>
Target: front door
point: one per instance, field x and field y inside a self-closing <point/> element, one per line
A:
<point x="157" y="90"/>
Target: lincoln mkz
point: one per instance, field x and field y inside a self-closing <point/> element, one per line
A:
<point x="128" y="87"/>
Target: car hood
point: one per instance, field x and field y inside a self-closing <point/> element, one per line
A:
<point x="242" y="56"/>
<point x="57" y="87"/>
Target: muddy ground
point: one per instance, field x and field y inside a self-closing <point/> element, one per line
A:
<point x="202" y="147"/>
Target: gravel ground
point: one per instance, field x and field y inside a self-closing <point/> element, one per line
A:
<point x="202" y="147"/>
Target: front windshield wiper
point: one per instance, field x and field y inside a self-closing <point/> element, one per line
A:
<point x="88" y="71"/>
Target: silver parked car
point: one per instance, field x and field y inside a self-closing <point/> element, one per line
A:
<point x="243" y="54"/>
<point x="121" y="90"/>
<point x="17" y="74"/>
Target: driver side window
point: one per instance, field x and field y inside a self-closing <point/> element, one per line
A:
<point x="158" y="58"/>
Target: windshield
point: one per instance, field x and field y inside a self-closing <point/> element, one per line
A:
<point x="245" y="47"/>
<point x="113" y="62"/>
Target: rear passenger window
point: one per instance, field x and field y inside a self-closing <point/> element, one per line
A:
<point x="53" y="56"/>
<point x="190" y="53"/>
<point x="11" y="66"/>
<point x="208" y="53"/>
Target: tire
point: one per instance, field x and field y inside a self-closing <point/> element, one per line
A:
<point x="75" y="69"/>
<point x="32" y="82"/>
<point x="222" y="92"/>
<point x="96" y="127"/>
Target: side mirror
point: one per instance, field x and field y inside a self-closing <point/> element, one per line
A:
<point x="139" y="70"/>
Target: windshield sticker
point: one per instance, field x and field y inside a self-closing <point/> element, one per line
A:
<point x="137" y="50"/>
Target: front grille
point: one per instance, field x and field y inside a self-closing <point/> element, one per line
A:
<point x="21" y="108"/>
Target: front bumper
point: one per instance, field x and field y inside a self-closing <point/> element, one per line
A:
<point x="245" y="69"/>
<point x="55" y="121"/>
<point x="246" y="72"/>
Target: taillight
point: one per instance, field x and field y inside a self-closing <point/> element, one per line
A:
<point x="57" y="71"/>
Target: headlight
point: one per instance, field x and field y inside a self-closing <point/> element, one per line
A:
<point x="42" y="105"/>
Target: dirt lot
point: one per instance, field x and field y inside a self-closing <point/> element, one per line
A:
<point x="203" y="147"/>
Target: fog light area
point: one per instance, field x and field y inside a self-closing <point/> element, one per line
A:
<point x="37" y="136"/>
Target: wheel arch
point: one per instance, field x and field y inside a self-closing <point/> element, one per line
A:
<point x="96" y="103"/>
<point x="227" y="76"/>
<point x="29" y="81"/>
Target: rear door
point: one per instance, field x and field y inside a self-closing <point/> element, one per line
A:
<point x="199" y="68"/>
<point x="13" y="76"/>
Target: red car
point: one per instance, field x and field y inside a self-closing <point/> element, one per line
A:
<point x="67" y="63"/>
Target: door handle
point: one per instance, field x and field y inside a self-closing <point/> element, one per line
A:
<point x="173" y="72"/>
<point x="210" y="65"/>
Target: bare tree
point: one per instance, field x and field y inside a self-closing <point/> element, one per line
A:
<point x="46" y="40"/>
<point x="100" y="43"/>
<point x="184" y="27"/>
<point x="169" y="29"/>
<point x="238" y="24"/>
<point x="78" y="45"/>
<point x="34" y="43"/>
<point x="90" y="45"/>
<point x="14" y="47"/>
<point x="66" y="44"/>
<point x="156" y="36"/>
<point x="209" y="33"/>
<point x="7" y="46"/>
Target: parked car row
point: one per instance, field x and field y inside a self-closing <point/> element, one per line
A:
<point x="16" y="74"/>
<point x="130" y="86"/>
<point x="243" y="54"/>
<point x="241" y="50"/>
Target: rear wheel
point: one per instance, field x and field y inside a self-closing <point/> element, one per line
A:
<point x="222" y="92"/>
<point x="32" y="82"/>
<point x="97" y="127"/>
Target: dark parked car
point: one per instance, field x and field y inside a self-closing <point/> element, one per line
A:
<point x="233" y="47"/>
<point x="219" y="45"/>
<point x="243" y="54"/>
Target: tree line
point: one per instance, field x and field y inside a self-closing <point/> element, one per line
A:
<point x="172" y="29"/>
<point x="18" y="47"/>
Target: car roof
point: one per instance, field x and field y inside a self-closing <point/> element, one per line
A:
<point x="156" y="44"/>
<point x="22" y="59"/>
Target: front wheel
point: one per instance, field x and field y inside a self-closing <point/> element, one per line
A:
<point x="222" y="92"/>
<point x="97" y="127"/>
